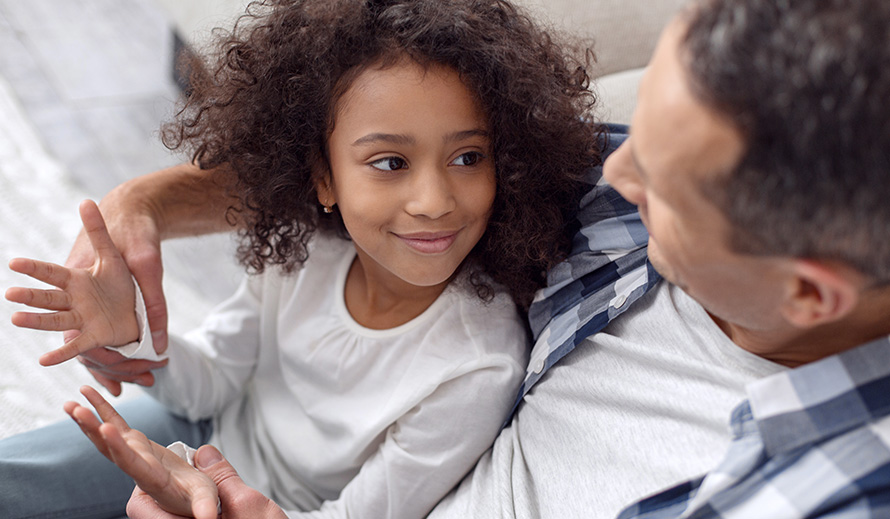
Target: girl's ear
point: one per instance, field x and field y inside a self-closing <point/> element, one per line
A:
<point x="323" y="186"/>
<point x="821" y="293"/>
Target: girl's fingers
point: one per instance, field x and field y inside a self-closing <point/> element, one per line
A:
<point x="43" y="299"/>
<point x="51" y="322"/>
<point x="88" y="424"/>
<point x="125" y="457"/>
<point x="96" y="231"/>
<point x="205" y="503"/>
<point x="106" y="412"/>
<point x="68" y="351"/>
<point x="50" y="273"/>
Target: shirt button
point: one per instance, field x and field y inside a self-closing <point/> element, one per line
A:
<point x="539" y="366"/>
<point x="620" y="301"/>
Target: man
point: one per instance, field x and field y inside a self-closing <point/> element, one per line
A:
<point x="759" y="162"/>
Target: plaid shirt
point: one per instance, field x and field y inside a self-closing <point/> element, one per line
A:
<point x="809" y="442"/>
<point x="606" y="271"/>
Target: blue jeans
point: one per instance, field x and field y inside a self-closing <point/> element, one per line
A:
<point x="56" y="472"/>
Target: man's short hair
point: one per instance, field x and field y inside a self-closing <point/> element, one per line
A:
<point x="807" y="83"/>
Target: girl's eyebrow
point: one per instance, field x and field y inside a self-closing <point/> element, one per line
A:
<point x="384" y="137"/>
<point x="409" y="140"/>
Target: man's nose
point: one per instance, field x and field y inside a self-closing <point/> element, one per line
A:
<point x="621" y="173"/>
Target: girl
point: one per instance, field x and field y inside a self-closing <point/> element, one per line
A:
<point x="404" y="172"/>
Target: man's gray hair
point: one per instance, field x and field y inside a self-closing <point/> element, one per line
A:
<point x="807" y="83"/>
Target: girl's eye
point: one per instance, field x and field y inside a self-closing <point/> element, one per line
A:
<point x="389" y="164"/>
<point x="468" y="159"/>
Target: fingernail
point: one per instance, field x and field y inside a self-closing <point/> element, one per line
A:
<point x="207" y="456"/>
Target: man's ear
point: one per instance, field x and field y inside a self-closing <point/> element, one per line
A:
<point x="820" y="293"/>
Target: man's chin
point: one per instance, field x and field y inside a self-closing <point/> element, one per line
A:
<point x="661" y="266"/>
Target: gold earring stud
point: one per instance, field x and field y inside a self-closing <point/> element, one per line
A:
<point x="327" y="209"/>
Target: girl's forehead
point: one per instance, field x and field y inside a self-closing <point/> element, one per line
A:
<point x="406" y="78"/>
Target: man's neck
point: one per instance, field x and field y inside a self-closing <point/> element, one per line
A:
<point x="793" y="346"/>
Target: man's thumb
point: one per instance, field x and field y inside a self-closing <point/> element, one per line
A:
<point x="211" y="462"/>
<point x="207" y="456"/>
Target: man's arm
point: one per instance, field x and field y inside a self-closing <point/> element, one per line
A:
<point x="175" y="202"/>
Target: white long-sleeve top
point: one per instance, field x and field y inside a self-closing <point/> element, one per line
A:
<point x="325" y="415"/>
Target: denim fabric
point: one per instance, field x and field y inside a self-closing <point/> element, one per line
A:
<point x="56" y="472"/>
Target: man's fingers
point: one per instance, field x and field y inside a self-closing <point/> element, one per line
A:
<point x="136" y="371"/>
<point x="156" y="311"/>
<point x="143" y="378"/>
<point x="103" y="357"/>
<point x="148" y="271"/>
<point x="49" y="273"/>
<point x="106" y="411"/>
<point x="123" y="367"/>
<point x="112" y="386"/>
<point x="43" y="299"/>
<point x="96" y="231"/>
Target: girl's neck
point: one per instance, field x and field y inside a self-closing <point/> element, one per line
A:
<point x="380" y="300"/>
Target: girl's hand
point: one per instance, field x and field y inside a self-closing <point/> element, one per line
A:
<point x="238" y="501"/>
<point x="97" y="302"/>
<point x="177" y="487"/>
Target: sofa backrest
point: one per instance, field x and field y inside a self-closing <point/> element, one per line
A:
<point x="624" y="32"/>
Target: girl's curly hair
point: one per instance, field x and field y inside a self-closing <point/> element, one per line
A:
<point x="262" y="107"/>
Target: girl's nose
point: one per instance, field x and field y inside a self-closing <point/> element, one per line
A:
<point x="431" y="194"/>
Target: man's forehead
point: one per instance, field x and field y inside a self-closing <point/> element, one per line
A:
<point x="674" y="130"/>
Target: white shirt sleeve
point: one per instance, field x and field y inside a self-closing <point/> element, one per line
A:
<point x="142" y="348"/>
<point x="210" y="366"/>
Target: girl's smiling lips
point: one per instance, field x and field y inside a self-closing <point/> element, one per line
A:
<point x="429" y="242"/>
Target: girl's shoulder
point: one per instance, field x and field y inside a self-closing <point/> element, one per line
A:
<point x="494" y="325"/>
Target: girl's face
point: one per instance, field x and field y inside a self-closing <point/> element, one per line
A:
<point x="411" y="172"/>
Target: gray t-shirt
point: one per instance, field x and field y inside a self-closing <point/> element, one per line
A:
<point x="636" y="408"/>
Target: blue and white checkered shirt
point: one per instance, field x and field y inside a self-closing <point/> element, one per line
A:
<point x="809" y="442"/>
<point x="606" y="271"/>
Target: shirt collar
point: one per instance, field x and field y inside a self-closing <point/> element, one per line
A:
<point x="822" y="399"/>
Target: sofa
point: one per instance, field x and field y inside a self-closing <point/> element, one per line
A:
<point x="623" y="32"/>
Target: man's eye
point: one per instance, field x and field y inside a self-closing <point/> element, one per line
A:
<point x="389" y="164"/>
<point x="468" y="159"/>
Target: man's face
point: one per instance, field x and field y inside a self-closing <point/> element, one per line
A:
<point x="676" y="145"/>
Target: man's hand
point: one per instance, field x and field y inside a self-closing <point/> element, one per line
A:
<point x="237" y="500"/>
